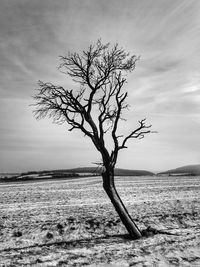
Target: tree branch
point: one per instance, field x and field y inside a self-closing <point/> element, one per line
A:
<point x="137" y="133"/>
<point x="96" y="107"/>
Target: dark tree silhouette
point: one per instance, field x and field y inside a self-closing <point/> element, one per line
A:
<point x="95" y="108"/>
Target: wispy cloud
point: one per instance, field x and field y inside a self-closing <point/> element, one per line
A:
<point x="165" y="86"/>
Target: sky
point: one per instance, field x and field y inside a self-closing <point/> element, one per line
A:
<point x="164" y="88"/>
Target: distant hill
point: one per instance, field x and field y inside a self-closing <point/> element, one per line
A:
<point x="185" y="170"/>
<point x="119" y="172"/>
<point x="38" y="175"/>
<point x="68" y="174"/>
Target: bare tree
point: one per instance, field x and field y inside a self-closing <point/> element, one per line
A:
<point x="95" y="108"/>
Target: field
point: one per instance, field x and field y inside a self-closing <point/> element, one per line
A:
<point x="72" y="223"/>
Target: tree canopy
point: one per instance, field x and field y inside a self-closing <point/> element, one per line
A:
<point x="96" y="106"/>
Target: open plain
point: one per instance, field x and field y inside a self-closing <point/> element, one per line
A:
<point x="72" y="223"/>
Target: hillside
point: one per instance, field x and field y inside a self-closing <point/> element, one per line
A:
<point x="39" y="175"/>
<point x="185" y="170"/>
<point x="118" y="171"/>
<point x="69" y="173"/>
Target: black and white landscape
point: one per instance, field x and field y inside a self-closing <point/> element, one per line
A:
<point x="120" y="82"/>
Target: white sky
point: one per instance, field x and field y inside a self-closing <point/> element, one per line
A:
<point x="165" y="87"/>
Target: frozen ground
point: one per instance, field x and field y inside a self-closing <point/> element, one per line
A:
<point x="72" y="223"/>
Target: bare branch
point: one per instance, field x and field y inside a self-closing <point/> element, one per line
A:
<point x="137" y="133"/>
<point x="96" y="107"/>
<point x="61" y="105"/>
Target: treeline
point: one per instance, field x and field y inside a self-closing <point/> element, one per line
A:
<point x="32" y="175"/>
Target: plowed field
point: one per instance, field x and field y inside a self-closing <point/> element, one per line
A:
<point x="72" y="223"/>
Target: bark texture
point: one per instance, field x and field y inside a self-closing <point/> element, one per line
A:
<point x="110" y="189"/>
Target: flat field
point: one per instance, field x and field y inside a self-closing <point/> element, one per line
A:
<point x="72" y="223"/>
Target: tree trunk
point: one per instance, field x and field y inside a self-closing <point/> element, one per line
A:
<point x="109" y="187"/>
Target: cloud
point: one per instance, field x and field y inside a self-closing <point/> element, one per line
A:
<point x="164" y="87"/>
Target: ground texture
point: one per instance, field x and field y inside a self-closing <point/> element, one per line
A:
<point x="72" y="223"/>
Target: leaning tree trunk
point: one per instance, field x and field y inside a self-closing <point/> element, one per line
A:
<point x="109" y="187"/>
